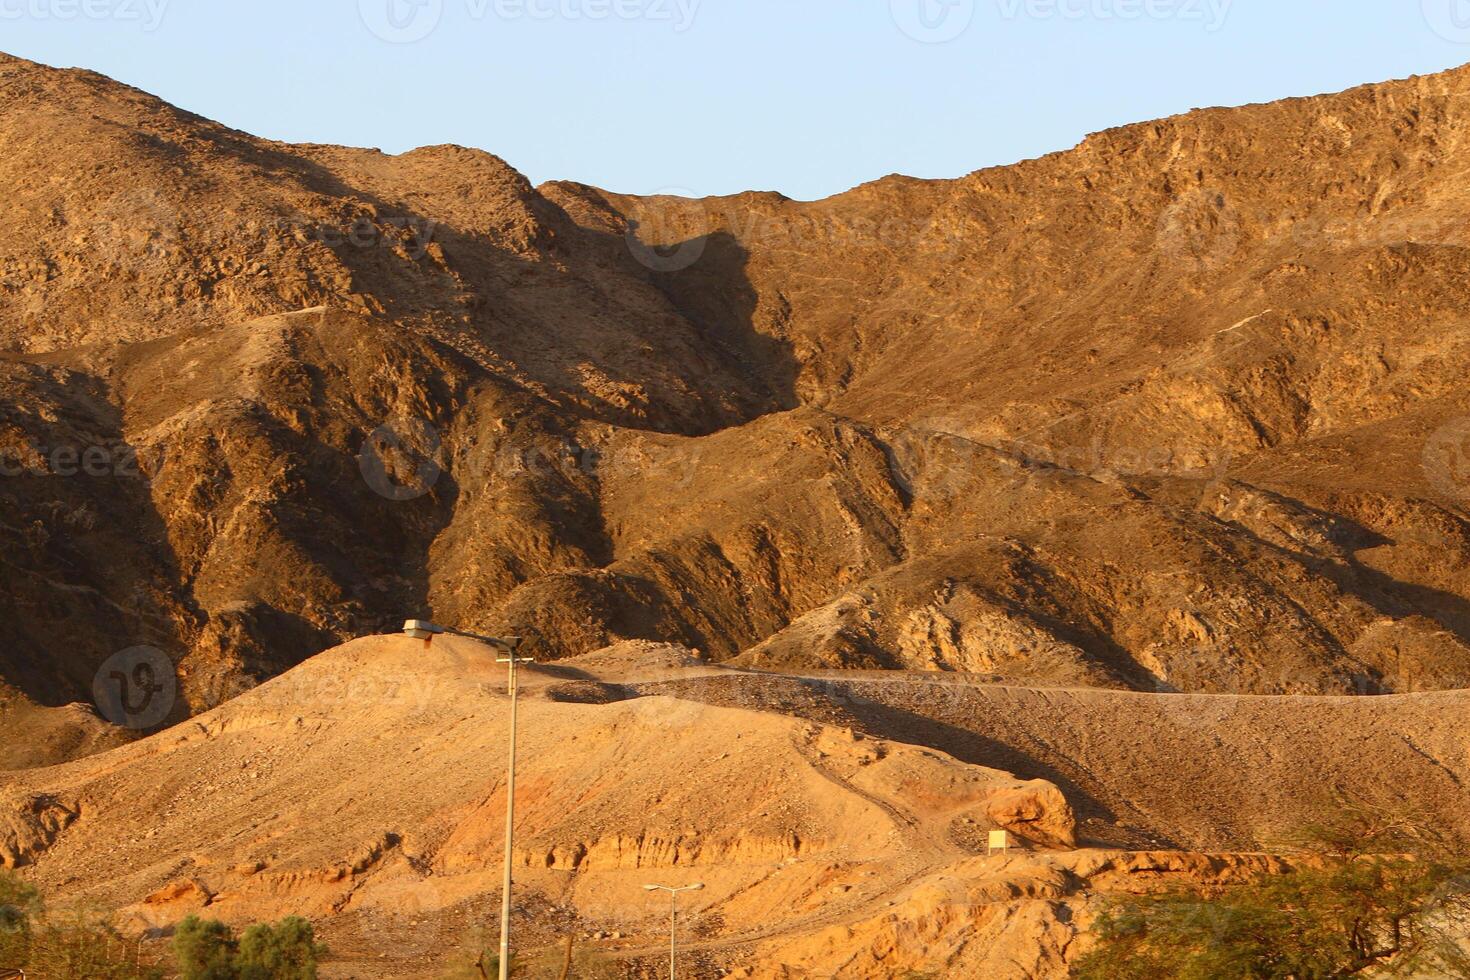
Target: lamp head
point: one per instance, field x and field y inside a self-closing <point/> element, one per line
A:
<point x="421" y="630"/>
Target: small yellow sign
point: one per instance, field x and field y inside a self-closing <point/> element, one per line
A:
<point x="999" y="841"/>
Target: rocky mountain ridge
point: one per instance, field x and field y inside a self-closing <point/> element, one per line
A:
<point x="1181" y="409"/>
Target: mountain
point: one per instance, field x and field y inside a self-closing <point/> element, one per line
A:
<point x="840" y="825"/>
<point x="1182" y="409"/>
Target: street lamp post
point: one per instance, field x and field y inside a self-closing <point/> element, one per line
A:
<point x="510" y="812"/>
<point x="673" y="915"/>
<point x="420" y="630"/>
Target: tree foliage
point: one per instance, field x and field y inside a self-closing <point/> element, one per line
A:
<point x="285" y="951"/>
<point x="75" y="946"/>
<point x="208" y="950"/>
<point x="1371" y="897"/>
<point x="205" y="950"/>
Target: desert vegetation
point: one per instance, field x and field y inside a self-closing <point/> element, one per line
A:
<point x="77" y="945"/>
<point x="64" y="945"/>
<point x="209" y="950"/>
<point x="1367" y="896"/>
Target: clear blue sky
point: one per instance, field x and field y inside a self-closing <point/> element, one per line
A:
<point x="808" y="97"/>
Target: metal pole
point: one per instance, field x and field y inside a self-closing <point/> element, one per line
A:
<point x="423" y="630"/>
<point x="673" y="917"/>
<point x="673" y="925"/>
<point x="510" y="814"/>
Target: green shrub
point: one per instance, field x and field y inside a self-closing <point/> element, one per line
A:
<point x="208" y="950"/>
<point x="19" y="902"/>
<point x="75" y="947"/>
<point x="286" y="951"/>
<point x="205" y="950"/>
<point x="1342" y="912"/>
<point x="84" y="948"/>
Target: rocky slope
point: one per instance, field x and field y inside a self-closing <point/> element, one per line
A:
<point x="839" y="825"/>
<point x="279" y="803"/>
<point x="1181" y="409"/>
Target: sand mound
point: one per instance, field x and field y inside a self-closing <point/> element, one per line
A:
<point x="365" y="789"/>
<point x="369" y="781"/>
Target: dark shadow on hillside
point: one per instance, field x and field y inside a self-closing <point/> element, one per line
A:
<point x="716" y="295"/>
<point x="682" y="334"/>
<point x="87" y="561"/>
<point x="1390" y="597"/>
<point x="835" y="703"/>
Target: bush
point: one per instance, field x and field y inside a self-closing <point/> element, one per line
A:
<point x="486" y="965"/>
<point x="1342" y="913"/>
<point x="79" y="947"/>
<point x="208" y="950"/>
<point x="285" y="951"/>
<point x="19" y="903"/>
<point x="204" y="950"/>
<point x="564" y="961"/>
<point x="72" y="948"/>
<point x="83" y="948"/>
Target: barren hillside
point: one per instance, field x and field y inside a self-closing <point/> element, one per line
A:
<point x="839" y="823"/>
<point x="1180" y="409"/>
